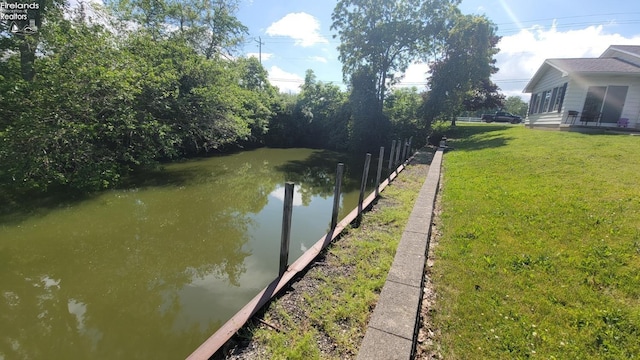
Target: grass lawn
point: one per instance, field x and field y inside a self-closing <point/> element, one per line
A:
<point x="540" y="249"/>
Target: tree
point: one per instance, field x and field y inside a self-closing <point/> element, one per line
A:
<point x="77" y="128"/>
<point x="379" y="39"/>
<point x="369" y="127"/>
<point x="460" y="77"/>
<point x="382" y="37"/>
<point x="26" y="44"/>
<point x="284" y="129"/>
<point x="103" y="106"/>
<point x="208" y="26"/>
<point x="320" y="107"/>
<point x="258" y="96"/>
<point x="403" y="109"/>
<point x="318" y="117"/>
<point x="516" y="106"/>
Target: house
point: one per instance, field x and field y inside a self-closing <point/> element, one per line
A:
<point x="587" y="92"/>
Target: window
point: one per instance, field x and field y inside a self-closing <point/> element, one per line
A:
<point x="557" y="106"/>
<point x="540" y="102"/>
<point x="604" y="103"/>
<point x="534" y="103"/>
<point x="593" y="103"/>
<point x="552" y="103"/>
<point x="548" y="101"/>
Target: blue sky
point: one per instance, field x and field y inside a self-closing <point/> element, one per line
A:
<point x="296" y="36"/>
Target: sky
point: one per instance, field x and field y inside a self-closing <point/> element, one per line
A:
<point x="295" y="36"/>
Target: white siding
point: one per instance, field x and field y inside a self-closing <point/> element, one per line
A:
<point x="551" y="79"/>
<point x="574" y="100"/>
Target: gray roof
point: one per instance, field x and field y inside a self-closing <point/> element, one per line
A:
<point x="599" y="65"/>
<point x="602" y="65"/>
<point x="631" y="49"/>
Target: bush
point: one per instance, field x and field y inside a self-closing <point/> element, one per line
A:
<point x="438" y="129"/>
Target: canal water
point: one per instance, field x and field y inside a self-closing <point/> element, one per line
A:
<point x="151" y="271"/>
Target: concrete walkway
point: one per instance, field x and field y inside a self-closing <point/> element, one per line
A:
<point x="392" y="330"/>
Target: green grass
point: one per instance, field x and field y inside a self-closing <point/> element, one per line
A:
<point x="337" y="311"/>
<point x="540" y="248"/>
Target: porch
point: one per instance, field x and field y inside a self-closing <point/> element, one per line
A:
<point x="599" y="128"/>
<point x="597" y="122"/>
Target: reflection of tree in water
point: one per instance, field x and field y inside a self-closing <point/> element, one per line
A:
<point x="316" y="175"/>
<point x="104" y="284"/>
<point x="120" y="285"/>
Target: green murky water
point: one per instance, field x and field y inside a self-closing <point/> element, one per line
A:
<point x="150" y="272"/>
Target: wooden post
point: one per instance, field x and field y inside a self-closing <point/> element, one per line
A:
<point x="380" y="160"/>
<point x="404" y="150"/>
<point x="397" y="155"/>
<point x="410" y="143"/>
<point x="336" y="196"/>
<point x="363" y="185"/>
<point x="286" y="227"/>
<point x="393" y="149"/>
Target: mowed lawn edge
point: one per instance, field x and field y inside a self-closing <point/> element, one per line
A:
<point x="540" y="249"/>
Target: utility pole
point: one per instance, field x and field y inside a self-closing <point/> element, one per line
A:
<point x="260" y="43"/>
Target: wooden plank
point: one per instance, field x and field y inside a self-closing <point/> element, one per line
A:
<point x="285" y="238"/>
<point x="363" y="185"/>
<point x="397" y="161"/>
<point x="336" y="195"/>
<point x="379" y="174"/>
<point x="393" y="149"/>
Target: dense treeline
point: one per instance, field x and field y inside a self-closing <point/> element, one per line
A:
<point x="101" y="105"/>
<point x="97" y="94"/>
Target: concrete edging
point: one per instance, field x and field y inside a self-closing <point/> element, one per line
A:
<point x="393" y="327"/>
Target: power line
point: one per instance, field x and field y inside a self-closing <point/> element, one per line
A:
<point x="260" y="43"/>
<point x="511" y="27"/>
<point x="570" y="17"/>
<point x="328" y="37"/>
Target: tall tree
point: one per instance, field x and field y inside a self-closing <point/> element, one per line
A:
<point x="26" y="42"/>
<point x="208" y="26"/>
<point x="370" y="127"/>
<point x="382" y="37"/>
<point x="77" y="128"/>
<point x="258" y="96"/>
<point x="403" y="109"/>
<point x="103" y="106"/>
<point x="320" y="106"/>
<point x="460" y="77"/>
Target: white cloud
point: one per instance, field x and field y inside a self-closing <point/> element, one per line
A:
<point x="522" y="54"/>
<point x="279" y="194"/>
<point x="300" y="26"/>
<point x="286" y="82"/>
<point x="318" y="59"/>
<point x="265" y="56"/>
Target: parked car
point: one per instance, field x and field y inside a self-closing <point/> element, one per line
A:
<point x="502" y="116"/>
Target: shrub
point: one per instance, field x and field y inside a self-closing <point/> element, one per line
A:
<point x="438" y="129"/>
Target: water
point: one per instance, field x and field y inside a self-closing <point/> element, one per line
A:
<point x="151" y="271"/>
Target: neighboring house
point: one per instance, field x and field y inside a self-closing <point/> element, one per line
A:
<point x="602" y="92"/>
